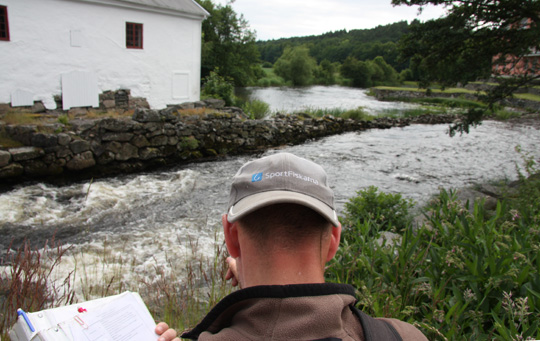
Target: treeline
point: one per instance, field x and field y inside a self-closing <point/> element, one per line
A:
<point x="337" y="46"/>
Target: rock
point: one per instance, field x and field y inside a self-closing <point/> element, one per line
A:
<point x="25" y="153"/>
<point x="5" y="157"/>
<point x="44" y="140"/>
<point x="214" y="103"/>
<point x="146" y="115"/>
<point x="120" y="137"/>
<point x="38" y="107"/>
<point x="109" y="104"/>
<point x="149" y="153"/>
<point x="79" y="146"/>
<point x="117" y="125"/>
<point x="63" y="139"/>
<point x="140" y="141"/>
<point x="11" y="171"/>
<point x="81" y="161"/>
<point x="127" y="152"/>
<point x="35" y="167"/>
<point x="160" y="140"/>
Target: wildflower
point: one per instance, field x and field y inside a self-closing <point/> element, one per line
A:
<point x="469" y="296"/>
<point x="515" y="215"/>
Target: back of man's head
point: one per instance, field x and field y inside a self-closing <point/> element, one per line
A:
<point x="281" y="178"/>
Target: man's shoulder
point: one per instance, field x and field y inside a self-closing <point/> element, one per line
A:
<point x="406" y="330"/>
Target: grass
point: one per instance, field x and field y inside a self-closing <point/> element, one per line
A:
<point x="355" y="114"/>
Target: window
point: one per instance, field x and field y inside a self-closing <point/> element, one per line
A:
<point x="134" y="35"/>
<point x="4" y="26"/>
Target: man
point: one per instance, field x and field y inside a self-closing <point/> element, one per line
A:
<point x="281" y="229"/>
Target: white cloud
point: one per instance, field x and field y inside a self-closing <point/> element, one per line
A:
<point x="288" y="18"/>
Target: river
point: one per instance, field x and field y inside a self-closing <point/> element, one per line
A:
<point x="155" y="218"/>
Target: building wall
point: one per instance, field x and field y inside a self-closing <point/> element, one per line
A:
<point x="40" y="50"/>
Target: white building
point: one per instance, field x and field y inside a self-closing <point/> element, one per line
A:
<point x="80" y="48"/>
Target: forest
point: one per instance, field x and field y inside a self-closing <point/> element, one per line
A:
<point x="336" y="46"/>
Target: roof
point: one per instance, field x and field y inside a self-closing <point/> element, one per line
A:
<point x="186" y="8"/>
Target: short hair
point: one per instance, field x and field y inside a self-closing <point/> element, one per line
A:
<point x="276" y="222"/>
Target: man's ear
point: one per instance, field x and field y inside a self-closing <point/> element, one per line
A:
<point x="230" y="231"/>
<point x="334" y="242"/>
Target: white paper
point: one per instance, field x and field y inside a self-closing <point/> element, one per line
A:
<point x="122" y="319"/>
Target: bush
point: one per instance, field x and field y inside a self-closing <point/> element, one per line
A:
<point x="216" y="86"/>
<point x="388" y="211"/>
<point x="256" y="109"/>
<point x="463" y="275"/>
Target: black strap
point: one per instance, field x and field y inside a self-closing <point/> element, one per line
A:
<point x="374" y="329"/>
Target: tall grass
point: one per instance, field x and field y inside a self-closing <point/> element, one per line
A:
<point x="177" y="294"/>
<point x="25" y="281"/>
<point x="355" y="114"/>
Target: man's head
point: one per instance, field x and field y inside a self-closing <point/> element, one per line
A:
<point x="281" y="219"/>
<point x="281" y="179"/>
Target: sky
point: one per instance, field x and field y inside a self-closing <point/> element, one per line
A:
<point x="274" y="19"/>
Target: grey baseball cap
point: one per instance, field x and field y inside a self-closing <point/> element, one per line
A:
<point x="281" y="178"/>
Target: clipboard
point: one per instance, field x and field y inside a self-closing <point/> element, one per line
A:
<point x="114" y="318"/>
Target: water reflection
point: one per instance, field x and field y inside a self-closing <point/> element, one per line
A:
<point x="294" y="99"/>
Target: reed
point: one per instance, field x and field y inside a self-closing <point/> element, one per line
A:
<point x="25" y="281"/>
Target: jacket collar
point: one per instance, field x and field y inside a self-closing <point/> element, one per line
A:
<point x="223" y="311"/>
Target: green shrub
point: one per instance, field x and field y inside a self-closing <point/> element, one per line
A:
<point x="463" y="275"/>
<point x="216" y="86"/>
<point x="190" y="143"/>
<point x="256" y="109"/>
<point x="388" y="211"/>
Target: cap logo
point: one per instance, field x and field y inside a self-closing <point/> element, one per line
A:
<point x="257" y="177"/>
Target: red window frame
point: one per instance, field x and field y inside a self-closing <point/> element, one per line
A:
<point x="4" y="24"/>
<point x="134" y="35"/>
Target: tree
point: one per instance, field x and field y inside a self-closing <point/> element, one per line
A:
<point x="229" y="44"/>
<point x="296" y="65"/>
<point x="475" y="34"/>
<point x="358" y="71"/>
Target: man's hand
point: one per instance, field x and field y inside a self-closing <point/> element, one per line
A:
<point x="232" y="272"/>
<point x="166" y="333"/>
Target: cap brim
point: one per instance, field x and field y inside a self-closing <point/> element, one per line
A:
<point x="259" y="200"/>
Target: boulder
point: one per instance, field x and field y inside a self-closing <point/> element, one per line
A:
<point x="25" y="153"/>
<point x="146" y="115"/>
<point x="44" y="140"/>
<point x="79" y="146"/>
<point x="81" y="161"/>
<point x="126" y="152"/>
<point x="5" y="157"/>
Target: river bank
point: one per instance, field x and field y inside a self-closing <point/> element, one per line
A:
<point x="93" y="148"/>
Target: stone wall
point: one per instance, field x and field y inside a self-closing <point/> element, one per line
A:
<point x="150" y="139"/>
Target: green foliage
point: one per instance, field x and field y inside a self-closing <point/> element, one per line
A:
<point x="364" y="74"/>
<point x="190" y="143"/>
<point x="256" y="109"/>
<point x="270" y="79"/>
<point x="216" y="86"/>
<point x="337" y="46"/>
<point x="64" y="119"/>
<point x="326" y="73"/>
<point x="388" y="211"/>
<point x="465" y="45"/>
<point x="229" y="44"/>
<point x="296" y="65"/>
<point x="463" y="275"/>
